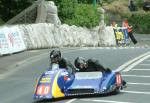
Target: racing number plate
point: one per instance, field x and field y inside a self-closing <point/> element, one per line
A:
<point x="43" y="90"/>
<point x="118" y="79"/>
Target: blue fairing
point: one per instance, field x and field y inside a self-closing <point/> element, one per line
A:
<point x="86" y="81"/>
<point x="107" y="81"/>
<point x="100" y="83"/>
<point x="65" y="83"/>
<point x="60" y="83"/>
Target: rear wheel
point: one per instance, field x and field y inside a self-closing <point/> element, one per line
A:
<point x="116" y="91"/>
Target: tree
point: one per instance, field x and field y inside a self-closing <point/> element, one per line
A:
<point x="10" y="8"/>
<point x="66" y="9"/>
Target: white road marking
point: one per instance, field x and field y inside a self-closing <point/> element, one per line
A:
<point x="33" y="51"/>
<point x="70" y="101"/>
<point x="140" y="76"/>
<point x="107" y="48"/>
<point x="145" y="64"/>
<point x="114" y="48"/>
<point x="131" y="61"/>
<point x="132" y="47"/>
<point x="136" y="92"/>
<point x="141" y="69"/>
<point x="86" y="48"/>
<point x="121" y="48"/>
<point x="105" y="101"/>
<point x="147" y="84"/>
<point x="136" y="63"/>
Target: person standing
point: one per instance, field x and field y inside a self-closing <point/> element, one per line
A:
<point x="146" y="6"/>
<point x="115" y="28"/>
<point x="129" y="28"/>
<point x="131" y="6"/>
<point x="118" y="33"/>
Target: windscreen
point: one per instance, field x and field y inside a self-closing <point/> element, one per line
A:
<point x="88" y="75"/>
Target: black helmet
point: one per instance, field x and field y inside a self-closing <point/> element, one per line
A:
<point x="79" y="61"/>
<point x="55" y="56"/>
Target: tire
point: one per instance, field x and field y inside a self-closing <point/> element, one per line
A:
<point x="116" y="91"/>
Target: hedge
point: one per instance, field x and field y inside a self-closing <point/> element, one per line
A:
<point x="140" y="21"/>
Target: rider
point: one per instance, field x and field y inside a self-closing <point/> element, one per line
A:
<point x="92" y="65"/>
<point x="56" y="58"/>
<point x="89" y="65"/>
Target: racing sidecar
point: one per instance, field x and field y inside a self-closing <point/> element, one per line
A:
<point x="60" y="83"/>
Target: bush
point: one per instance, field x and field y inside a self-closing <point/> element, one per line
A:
<point x="139" y="3"/>
<point x="10" y="8"/>
<point x="85" y="15"/>
<point x="1" y="22"/>
<point x="139" y="21"/>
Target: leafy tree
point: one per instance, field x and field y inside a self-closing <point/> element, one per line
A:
<point x="97" y="1"/>
<point x="66" y="9"/>
<point x="85" y="15"/>
<point x="73" y="12"/>
<point x="10" y="8"/>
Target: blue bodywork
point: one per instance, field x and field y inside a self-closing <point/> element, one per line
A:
<point x="60" y="83"/>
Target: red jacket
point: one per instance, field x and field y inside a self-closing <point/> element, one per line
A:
<point x="126" y="24"/>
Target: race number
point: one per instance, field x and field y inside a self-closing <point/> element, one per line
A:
<point x="118" y="79"/>
<point x="43" y="90"/>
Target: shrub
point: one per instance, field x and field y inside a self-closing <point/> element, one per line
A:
<point x="85" y="15"/>
<point x="139" y="21"/>
<point x="1" y="22"/>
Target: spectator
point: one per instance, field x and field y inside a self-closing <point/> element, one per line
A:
<point x="129" y="28"/>
<point x="146" y="6"/>
<point x="118" y="33"/>
<point x="131" y="6"/>
<point x="115" y="27"/>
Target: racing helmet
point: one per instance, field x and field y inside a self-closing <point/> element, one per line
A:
<point x="55" y="56"/>
<point x="80" y="62"/>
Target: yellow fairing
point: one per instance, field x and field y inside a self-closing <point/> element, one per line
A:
<point x="56" y="92"/>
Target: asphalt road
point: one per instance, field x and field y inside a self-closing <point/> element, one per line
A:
<point x="21" y="70"/>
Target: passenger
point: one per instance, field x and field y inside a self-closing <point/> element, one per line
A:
<point x="89" y="65"/>
<point x="56" y="58"/>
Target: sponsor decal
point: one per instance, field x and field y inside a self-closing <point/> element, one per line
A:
<point x="49" y="72"/>
<point x="64" y="73"/>
<point x="45" y="80"/>
<point x="11" y="39"/>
